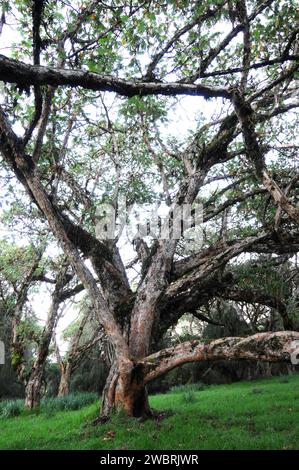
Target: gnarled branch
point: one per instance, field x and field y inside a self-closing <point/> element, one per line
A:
<point x="15" y="71"/>
<point x="270" y="347"/>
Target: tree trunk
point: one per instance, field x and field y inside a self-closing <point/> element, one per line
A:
<point x="126" y="391"/>
<point x="32" y="391"/>
<point x="64" y="385"/>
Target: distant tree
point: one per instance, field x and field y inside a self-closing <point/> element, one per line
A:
<point x="85" y="336"/>
<point x="20" y="270"/>
<point x="35" y="376"/>
<point x="9" y="385"/>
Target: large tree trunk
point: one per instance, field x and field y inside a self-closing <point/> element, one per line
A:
<point x="64" y="385"/>
<point x="33" y="388"/>
<point x="126" y="391"/>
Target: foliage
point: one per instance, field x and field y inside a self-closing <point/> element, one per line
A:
<point x="14" y="261"/>
<point x="90" y="375"/>
<point x="188" y="397"/>
<point x="228" y="316"/>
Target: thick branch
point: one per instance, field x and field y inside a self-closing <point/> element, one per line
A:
<point x="105" y="261"/>
<point x="209" y="260"/>
<point x="286" y="243"/>
<point x="14" y="71"/>
<point x="256" y="154"/>
<point x="37" y="8"/>
<point x="270" y="347"/>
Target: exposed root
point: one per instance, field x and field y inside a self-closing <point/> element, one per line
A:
<point x="102" y="419"/>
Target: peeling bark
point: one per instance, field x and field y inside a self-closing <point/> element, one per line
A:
<point x="256" y="154"/>
<point x="126" y="390"/>
<point x="33" y="388"/>
<point x="65" y="378"/>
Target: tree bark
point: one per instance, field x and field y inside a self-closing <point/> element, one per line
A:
<point x="266" y="347"/>
<point x="14" y="71"/>
<point x="65" y="378"/>
<point x="28" y="175"/>
<point x="126" y="391"/>
<point x="255" y="153"/>
<point x="33" y="389"/>
<point x="163" y="292"/>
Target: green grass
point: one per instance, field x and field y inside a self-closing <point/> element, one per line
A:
<point x="262" y="414"/>
<point x="49" y="406"/>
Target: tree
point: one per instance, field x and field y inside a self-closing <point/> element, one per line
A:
<point x="8" y="380"/>
<point x="21" y="269"/>
<point x="240" y="55"/>
<point x="34" y="381"/>
<point x="17" y="270"/>
<point x="83" y="338"/>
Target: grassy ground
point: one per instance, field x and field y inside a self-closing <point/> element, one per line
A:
<point x="249" y="415"/>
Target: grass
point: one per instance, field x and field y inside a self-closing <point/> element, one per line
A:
<point x="73" y="401"/>
<point x="263" y="414"/>
<point x="11" y="408"/>
<point x="49" y="406"/>
<point x="188" y="387"/>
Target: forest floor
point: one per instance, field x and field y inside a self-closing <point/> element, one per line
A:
<point x="263" y="414"/>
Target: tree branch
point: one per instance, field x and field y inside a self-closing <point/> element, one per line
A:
<point x="180" y="32"/>
<point x="23" y="167"/>
<point x="256" y="154"/>
<point x="270" y="347"/>
<point x="253" y="296"/>
<point x="14" y="71"/>
<point x="37" y="9"/>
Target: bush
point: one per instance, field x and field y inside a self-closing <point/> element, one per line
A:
<point x="11" y="408"/>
